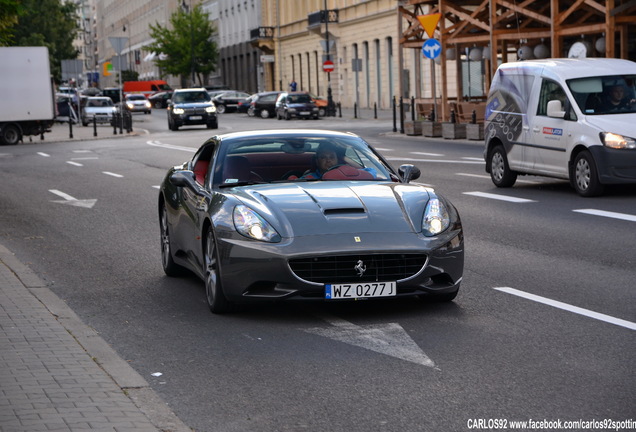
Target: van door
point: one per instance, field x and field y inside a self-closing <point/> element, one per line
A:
<point x="549" y="151"/>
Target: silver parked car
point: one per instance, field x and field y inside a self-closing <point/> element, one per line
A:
<point x="100" y="108"/>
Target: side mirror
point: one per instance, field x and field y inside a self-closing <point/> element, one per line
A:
<point x="409" y="172"/>
<point x="183" y="178"/>
<point x="555" y="109"/>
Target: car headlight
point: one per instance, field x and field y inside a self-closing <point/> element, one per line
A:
<point x="617" y="141"/>
<point x="129" y="105"/>
<point x="148" y="104"/>
<point x="250" y="224"/>
<point x="210" y="109"/>
<point x="178" y="111"/>
<point x="436" y="218"/>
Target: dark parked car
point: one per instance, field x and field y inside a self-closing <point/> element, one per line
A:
<point x="264" y="105"/>
<point x="113" y="93"/>
<point x="160" y="100"/>
<point x="191" y="106"/>
<point x="244" y="106"/>
<point x="228" y="100"/>
<point x="244" y="216"/>
<point x="295" y="105"/>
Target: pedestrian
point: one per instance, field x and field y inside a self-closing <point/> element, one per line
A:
<point x="292" y="85"/>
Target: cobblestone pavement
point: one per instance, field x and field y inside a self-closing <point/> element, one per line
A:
<point x="57" y="374"/>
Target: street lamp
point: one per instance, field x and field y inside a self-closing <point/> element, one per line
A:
<point x="331" y="108"/>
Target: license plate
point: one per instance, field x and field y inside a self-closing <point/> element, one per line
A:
<point x="360" y="290"/>
<point x="195" y="117"/>
<point x="304" y="113"/>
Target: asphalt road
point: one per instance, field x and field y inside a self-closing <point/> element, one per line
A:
<point x="543" y="327"/>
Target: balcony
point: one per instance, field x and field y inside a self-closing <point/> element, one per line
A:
<point x="315" y="20"/>
<point x="263" y="38"/>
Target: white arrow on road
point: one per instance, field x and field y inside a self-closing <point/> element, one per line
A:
<point x="389" y="339"/>
<point x="87" y="203"/>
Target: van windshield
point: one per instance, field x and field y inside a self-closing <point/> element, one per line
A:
<point x="614" y="94"/>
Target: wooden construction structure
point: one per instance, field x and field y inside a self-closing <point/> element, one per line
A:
<point x="507" y="30"/>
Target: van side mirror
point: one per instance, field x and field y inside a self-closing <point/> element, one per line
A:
<point x="555" y="109"/>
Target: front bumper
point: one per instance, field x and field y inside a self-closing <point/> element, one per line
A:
<point x="194" y="119"/>
<point x="615" y="166"/>
<point x="270" y="275"/>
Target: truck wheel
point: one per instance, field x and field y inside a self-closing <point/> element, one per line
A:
<point x="585" y="176"/>
<point x="10" y="135"/>
<point x="500" y="172"/>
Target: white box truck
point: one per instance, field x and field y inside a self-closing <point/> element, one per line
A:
<point x="572" y="119"/>
<point x="27" y="104"/>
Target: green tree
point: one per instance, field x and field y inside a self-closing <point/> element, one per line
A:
<point x="9" y="11"/>
<point x="49" y="23"/>
<point x="187" y="48"/>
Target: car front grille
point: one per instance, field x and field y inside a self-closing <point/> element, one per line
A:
<point x="193" y="111"/>
<point x="347" y="268"/>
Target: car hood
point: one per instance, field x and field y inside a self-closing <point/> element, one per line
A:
<point x="620" y="123"/>
<point x="301" y="105"/>
<point x="99" y="110"/>
<point x="193" y="105"/>
<point x="334" y="207"/>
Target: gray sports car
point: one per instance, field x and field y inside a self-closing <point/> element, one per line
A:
<point x="306" y="214"/>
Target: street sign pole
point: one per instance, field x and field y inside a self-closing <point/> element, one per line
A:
<point x="331" y="107"/>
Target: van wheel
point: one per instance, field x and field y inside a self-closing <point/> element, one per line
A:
<point x="585" y="176"/>
<point x="500" y="172"/>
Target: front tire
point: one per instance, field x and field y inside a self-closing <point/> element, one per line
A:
<point x="217" y="302"/>
<point x="220" y="109"/>
<point x="585" y="176"/>
<point x="500" y="172"/>
<point x="170" y="268"/>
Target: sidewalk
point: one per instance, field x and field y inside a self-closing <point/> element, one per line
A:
<point x="57" y="374"/>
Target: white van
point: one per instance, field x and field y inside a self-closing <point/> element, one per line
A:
<point x="566" y="118"/>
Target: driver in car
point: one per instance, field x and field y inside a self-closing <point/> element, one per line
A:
<point x="326" y="158"/>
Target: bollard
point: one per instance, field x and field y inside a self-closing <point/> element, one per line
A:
<point x="375" y="110"/>
<point x="70" y="127"/>
<point x="115" y="123"/>
<point x="355" y="110"/>
<point x="94" y="126"/>
<point x="412" y="108"/>
<point x="339" y="110"/>
<point x="401" y="114"/>
<point x="394" y="116"/>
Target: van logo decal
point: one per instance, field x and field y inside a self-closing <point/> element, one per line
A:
<point x="552" y="131"/>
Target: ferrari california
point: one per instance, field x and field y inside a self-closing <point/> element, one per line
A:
<point x="306" y="214"/>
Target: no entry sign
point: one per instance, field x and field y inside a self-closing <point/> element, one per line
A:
<point x="327" y="66"/>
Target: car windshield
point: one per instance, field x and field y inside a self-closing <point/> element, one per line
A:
<point x="99" y="102"/>
<point x="302" y="98"/>
<point x="614" y="94"/>
<point x="191" y="97"/>
<point x="136" y="97"/>
<point x="297" y="158"/>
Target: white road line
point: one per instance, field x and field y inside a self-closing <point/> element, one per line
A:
<point x="74" y="163"/>
<point x="622" y="216"/>
<point x="474" y="159"/>
<point x="577" y="310"/>
<point x="499" y="197"/>
<point x="157" y="187"/>
<point x="427" y="154"/>
<point x="169" y="146"/>
<point x="44" y="154"/>
<point x="473" y="175"/>
<point x="82" y="151"/>
<point x="62" y="194"/>
<point x="433" y="160"/>
<point x="383" y="149"/>
<point x="112" y="174"/>
<point x="84" y="158"/>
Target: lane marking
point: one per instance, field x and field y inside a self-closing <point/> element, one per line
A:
<point x="82" y="151"/>
<point x="434" y="160"/>
<point x="74" y="163"/>
<point x="389" y="339"/>
<point x="170" y="146"/>
<point x="499" y="197"/>
<point x="112" y="174"/>
<point x="87" y="203"/>
<point x="157" y="186"/>
<point x="568" y="307"/>
<point x="608" y="214"/>
<point x="427" y="154"/>
<point x="474" y="159"/>
<point x="474" y="175"/>
<point x="84" y="158"/>
<point x="43" y="154"/>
